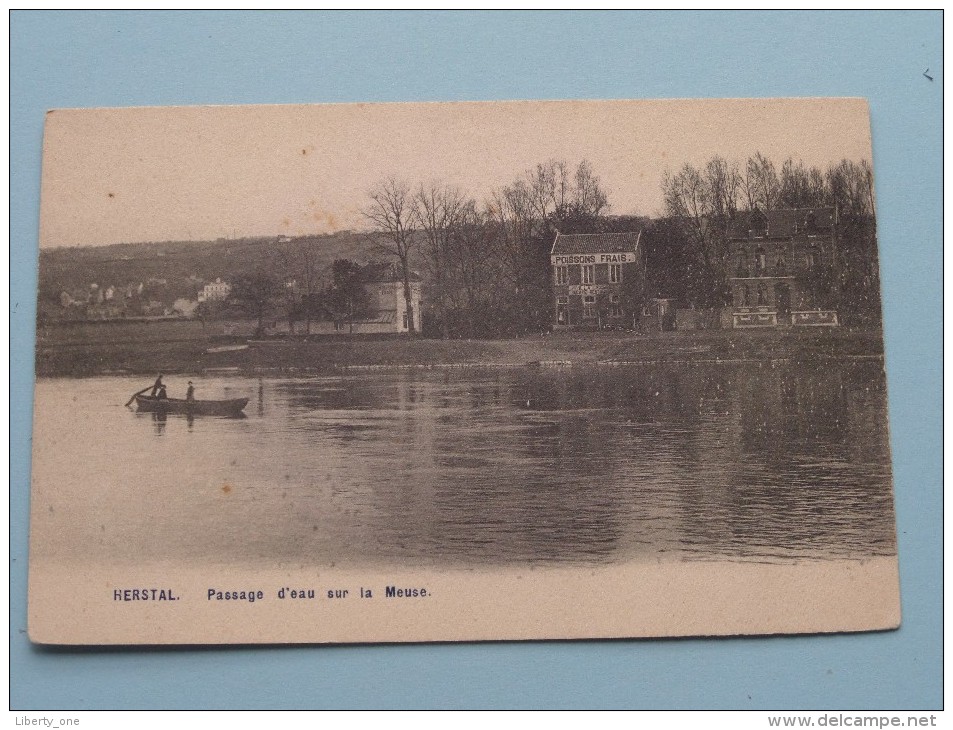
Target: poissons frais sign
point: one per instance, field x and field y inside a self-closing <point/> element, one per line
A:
<point x="619" y="257"/>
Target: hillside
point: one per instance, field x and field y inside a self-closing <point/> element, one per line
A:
<point x="68" y="269"/>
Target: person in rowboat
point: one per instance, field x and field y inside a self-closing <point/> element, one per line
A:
<point x="156" y="386"/>
<point x="153" y="390"/>
<point x="190" y="393"/>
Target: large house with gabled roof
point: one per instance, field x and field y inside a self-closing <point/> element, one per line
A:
<point x="781" y="261"/>
<point x="598" y="279"/>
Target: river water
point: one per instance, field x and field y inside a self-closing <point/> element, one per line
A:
<point x="475" y="467"/>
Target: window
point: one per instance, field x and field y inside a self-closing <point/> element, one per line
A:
<point x="562" y="274"/>
<point x="812" y="257"/>
<point x="742" y="265"/>
<point x="562" y="310"/>
<point x="615" y="308"/>
<point x="587" y="273"/>
<point x="760" y="260"/>
<point x="405" y="320"/>
<point x="589" y="305"/>
<point x="759" y="224"/>
<point x="615" y="273"/>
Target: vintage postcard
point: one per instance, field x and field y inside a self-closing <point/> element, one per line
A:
<point x="459" y="371"/>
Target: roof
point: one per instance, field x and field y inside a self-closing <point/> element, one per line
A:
<point x="382" y="273"/>
<point x="596" y="242"/>
<point x="381" y="316"/>
<point x="785" y="222"/>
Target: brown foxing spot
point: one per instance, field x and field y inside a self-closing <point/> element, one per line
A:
<point x="226" y="489"/>
<point x="112" y="195"/>
<point x="327" y="218"/>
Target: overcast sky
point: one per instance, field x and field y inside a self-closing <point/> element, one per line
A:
<point x="180" y="173"/>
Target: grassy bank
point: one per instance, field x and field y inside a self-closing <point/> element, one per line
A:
<point x="184" y="347"/>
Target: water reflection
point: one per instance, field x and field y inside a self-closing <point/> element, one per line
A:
<point x="548" y="466"/>
<point x="523" y="466"/>
<point x="161" y="418"/>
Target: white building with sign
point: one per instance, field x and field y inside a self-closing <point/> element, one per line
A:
<point x="598" y="279"/>
<point x="385" y="290"/>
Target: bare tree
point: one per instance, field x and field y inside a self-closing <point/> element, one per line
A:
<point x="795" y="185"/>
<point x="347" y="295"/>
<point x="556" y="194"/>
<point x="296" y="263"/>
<point x="479" y="273"/>
<point x="549" y="188"/>
<point x="255" y="293"/>
<point x="723" y="184"/>
<point x="701" y="204"/>
<point x="686" y="202"/>
<point x="850" y="187"/>
<point x="513" y="211"/>
<point x="802" y="187"/>
<point x="761" y="185"/>
<point x="817" y="187"/>
<point x="704" y="203"/>
<point x="392" y="211"/>
<point x="867" y="185"/>
<point x="525" y="216"/>
<point x="287" y="268"/>
<point x="520" y="238"/>
<point x="440" y="211"/>
<point x="590" y="199"/>
<point x="310" y="281"/>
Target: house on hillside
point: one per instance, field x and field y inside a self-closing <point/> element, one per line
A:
<point x="598" y="279"/>
<point x="783" y="263"/>
<point x="215" y="291"/>
<point x="95" y="295"/>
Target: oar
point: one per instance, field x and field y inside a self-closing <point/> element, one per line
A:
<point x="129" y="402"/>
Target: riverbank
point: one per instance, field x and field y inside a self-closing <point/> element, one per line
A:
<point x="183" y="347"/>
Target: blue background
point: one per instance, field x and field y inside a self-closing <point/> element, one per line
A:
<point x="78" y="59"/>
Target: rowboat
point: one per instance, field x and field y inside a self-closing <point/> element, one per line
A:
<point x="226" y="348"/>
<point x="151" y="404"/>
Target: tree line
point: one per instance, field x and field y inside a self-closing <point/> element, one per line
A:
<point x="485" y="264"/>
<point x="265" y="292"/>
<point x="702" y="203"/>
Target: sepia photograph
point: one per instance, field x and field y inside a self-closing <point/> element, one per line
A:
<point x="460" y="371"/>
